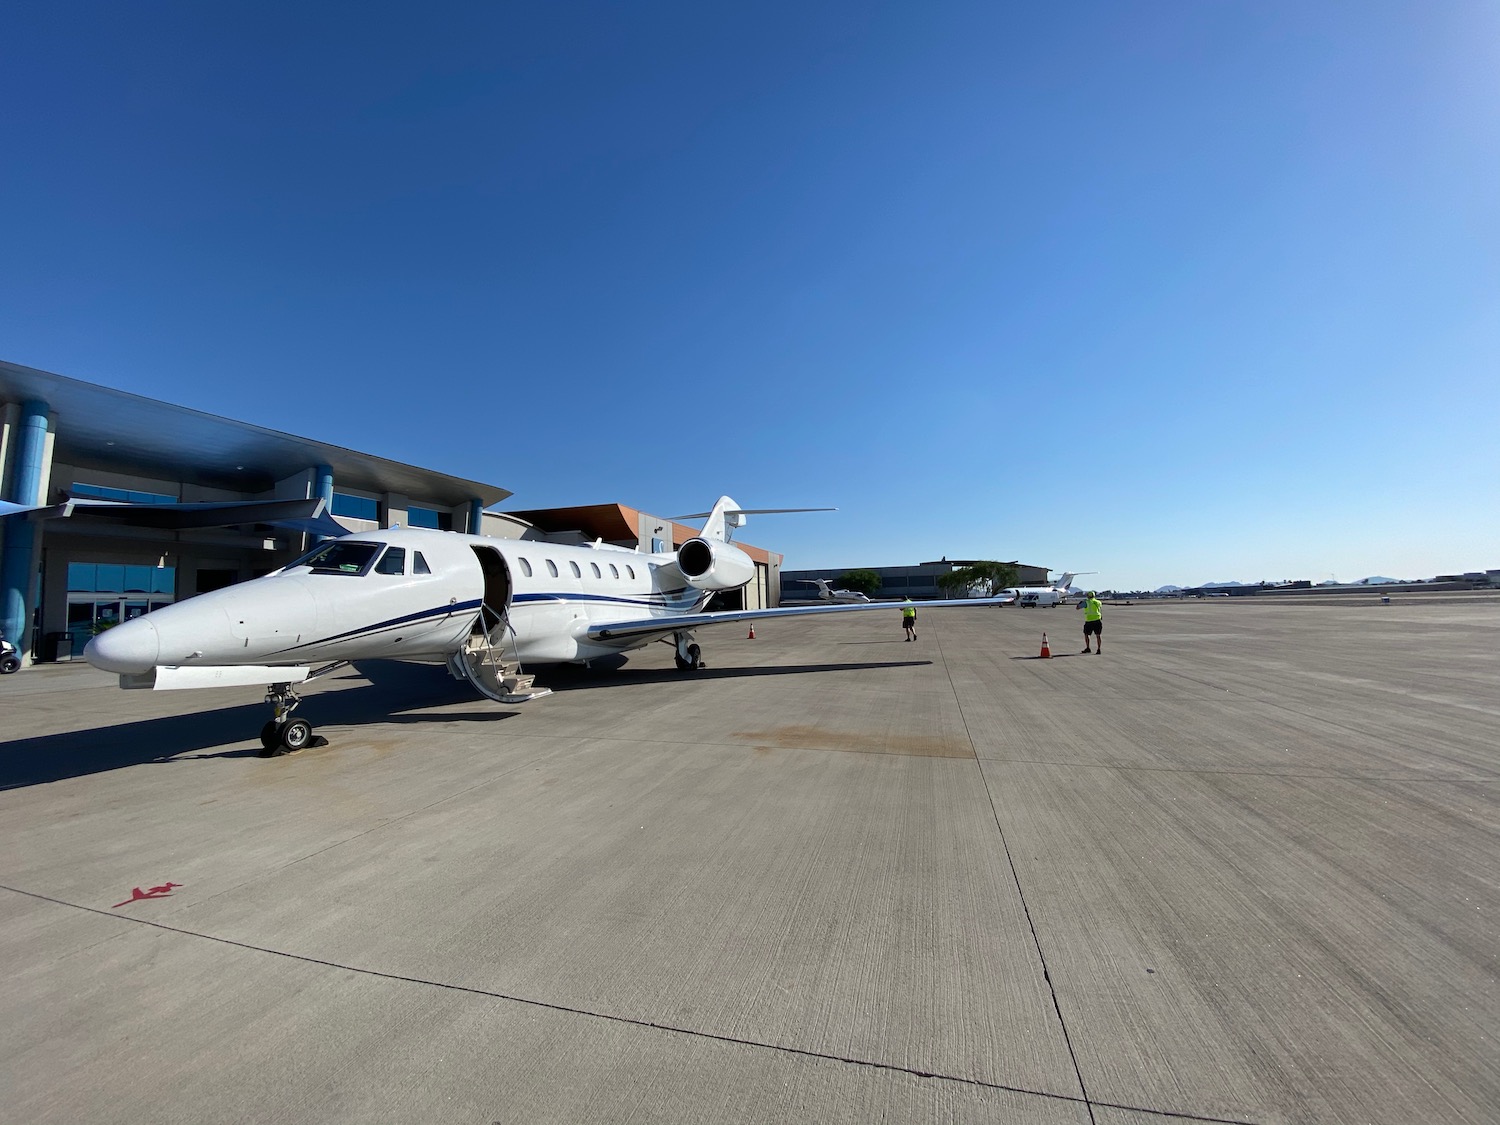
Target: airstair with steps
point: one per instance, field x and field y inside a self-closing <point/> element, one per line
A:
<point x="483" y="663"/>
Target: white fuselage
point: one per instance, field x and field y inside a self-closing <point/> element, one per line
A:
<point x="417" y="597"/>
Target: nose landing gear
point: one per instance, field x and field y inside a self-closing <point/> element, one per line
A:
<point x="284" y="734"/>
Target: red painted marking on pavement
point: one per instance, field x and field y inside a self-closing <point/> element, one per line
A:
<point x="163" y="891"/>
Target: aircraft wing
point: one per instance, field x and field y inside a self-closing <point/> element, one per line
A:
<point x="667" y="625"/>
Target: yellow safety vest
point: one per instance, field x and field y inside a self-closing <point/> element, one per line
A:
<point x="1092" y="610"/>
<point x="908" y="611"/>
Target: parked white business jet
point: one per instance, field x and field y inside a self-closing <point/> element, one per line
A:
<point x="1029" y="597"/>
<point x="485" y="607"/>
<point x="851" y="597"/>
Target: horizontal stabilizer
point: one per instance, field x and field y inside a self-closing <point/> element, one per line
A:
<point x="751" y="512"/>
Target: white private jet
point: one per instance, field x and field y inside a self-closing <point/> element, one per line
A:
<point x="849" y="597"/>
<point x="483" y="606"/>
<point x="1030" y="597"/>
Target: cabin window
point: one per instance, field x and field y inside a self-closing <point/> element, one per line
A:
<point x="419" y="564"/>
<point x="341" y="556"/>
<point x="526" y="568"/>
<point x="595" y="568"/>
<point x="392" y="562"/>
<point x="552" y="568"/>
<point x="614" y="571"/>
<point x="576" y="572"/>
<point x="630" y="570"/>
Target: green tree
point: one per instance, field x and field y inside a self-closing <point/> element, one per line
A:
<point x="864" y="581"/>
<point x="990" y="577"/>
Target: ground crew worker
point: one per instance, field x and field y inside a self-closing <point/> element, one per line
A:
<point x="909" y="620"/>
<point x="1093" y="621"/>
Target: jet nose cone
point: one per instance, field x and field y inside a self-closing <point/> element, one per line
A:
<point x="131" y="646"/>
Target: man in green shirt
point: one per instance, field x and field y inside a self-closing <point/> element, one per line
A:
<point x="1093" y="621"/>
<point x="909" y="620"/>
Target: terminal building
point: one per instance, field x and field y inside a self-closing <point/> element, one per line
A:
<point x="143" y="503"/>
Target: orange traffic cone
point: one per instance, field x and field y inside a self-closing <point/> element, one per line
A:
<point x="1046" y="652"/>
<point x="751" y="637"/>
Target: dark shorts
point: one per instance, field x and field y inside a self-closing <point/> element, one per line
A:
<point x="910" y="622"/>
<point x="1096" y="627"/>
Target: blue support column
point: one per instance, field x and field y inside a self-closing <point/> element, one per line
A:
<point x="323" y="487"/>
<point x="476" y="517"/>
<point x="17" y="560"/>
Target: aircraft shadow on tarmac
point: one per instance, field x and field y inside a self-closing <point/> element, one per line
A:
<point x="388" y="693"/>
<point x="612" y="674"/>
<point x="391" y="690"/>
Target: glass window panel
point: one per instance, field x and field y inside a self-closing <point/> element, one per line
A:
<point x="526" y="568"/>
<point x="111" y="578"/>
<point x="81" y="576"/>
<point x="595" y="568"/>
<point x="355" y="507"/>
<point x="630" y="570"/>
<point x="156" y="605"/>
<point x="138" y="579"/>
<point x="419" y="564"/>
<point x="614" y="570"/>
<point x="422" y="517"/>
<point x="552" y="568"/>
<point x="164" y="580"/>
<point x="392" y="562"/>
<point x="576" y="572"/>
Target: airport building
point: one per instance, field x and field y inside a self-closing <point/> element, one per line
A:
<point x="920" y="582"/>
<point x="144" y="503"/>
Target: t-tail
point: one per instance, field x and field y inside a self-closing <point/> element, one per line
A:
<point x="1066" y="580"/>
<point x="727" y="517"/>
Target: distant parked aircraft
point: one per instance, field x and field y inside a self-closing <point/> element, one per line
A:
<point x="1029" y="597"/>
<point x="827" y="595"/>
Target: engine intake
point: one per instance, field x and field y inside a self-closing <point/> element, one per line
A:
<point x="711" y="564"/>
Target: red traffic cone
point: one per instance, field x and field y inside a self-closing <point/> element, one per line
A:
<point x="751" y="637"/>
<point x="1046" y="652"/>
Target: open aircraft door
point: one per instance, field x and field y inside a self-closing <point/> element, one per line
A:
<point x="483" y="661"/>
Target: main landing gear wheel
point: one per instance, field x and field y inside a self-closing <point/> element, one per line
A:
<point x="692" y="662"/>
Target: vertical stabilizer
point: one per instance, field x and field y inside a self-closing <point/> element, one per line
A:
<point x="723" y="520"/>
<point x="1066" y="580"/>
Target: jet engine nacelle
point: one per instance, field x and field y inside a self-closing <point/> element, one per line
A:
<point x="710" y="564"/>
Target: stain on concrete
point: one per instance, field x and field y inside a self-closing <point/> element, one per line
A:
<point x="852" y="742"/>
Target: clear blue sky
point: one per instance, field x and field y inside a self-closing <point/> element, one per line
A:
<point x="1173" y="292"/>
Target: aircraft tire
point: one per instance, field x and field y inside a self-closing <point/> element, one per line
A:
<point x="695" y="657"/>
<point x="270" y="738"/>
<point x="296" y="734"/>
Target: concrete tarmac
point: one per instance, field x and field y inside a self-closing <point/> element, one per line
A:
<point x="1243" y="867"/>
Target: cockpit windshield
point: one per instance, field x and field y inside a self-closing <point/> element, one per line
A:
<point x="341" y="556"/>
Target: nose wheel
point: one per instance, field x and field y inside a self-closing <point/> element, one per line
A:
<point x="284" y="734"/>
